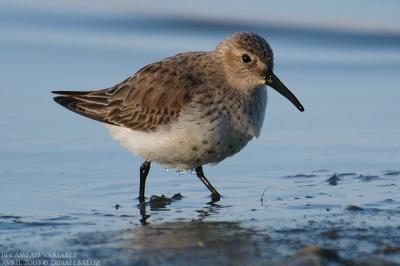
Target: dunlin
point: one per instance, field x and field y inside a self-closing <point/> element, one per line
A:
<point x="190" y="109"/>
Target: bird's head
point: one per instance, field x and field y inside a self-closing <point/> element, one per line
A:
<point x="248" y="63"/>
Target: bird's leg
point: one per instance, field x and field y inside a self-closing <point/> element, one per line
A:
<point x="143" y="214"/>
<point x="214" y="193"/>
<point x="144" y="171"/>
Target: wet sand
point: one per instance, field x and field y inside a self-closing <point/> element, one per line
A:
<point x="305" y="220"/>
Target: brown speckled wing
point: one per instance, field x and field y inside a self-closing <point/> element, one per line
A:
<point x="153" y="97"/>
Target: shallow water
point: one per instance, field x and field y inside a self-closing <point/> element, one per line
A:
<point x="328" y="178"/>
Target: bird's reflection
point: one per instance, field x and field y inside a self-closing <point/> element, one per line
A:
<point x="174" y="243"/>
<point x="193" y="242"/>
<point x="156" y="203"/>
<point x="161" y="203"/>
<point x="211" y="208"/>
<point x="143" y="214"/>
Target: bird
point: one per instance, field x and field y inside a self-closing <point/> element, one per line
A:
<point x="188" y="110"/>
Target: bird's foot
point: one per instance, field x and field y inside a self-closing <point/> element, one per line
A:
<point x="141" y="199"/>
<point x="215" y="197"/>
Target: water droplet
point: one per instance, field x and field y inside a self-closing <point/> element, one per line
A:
<point x="180" y="171"/>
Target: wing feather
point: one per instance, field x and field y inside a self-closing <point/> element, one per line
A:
<point x="151" y="98"/>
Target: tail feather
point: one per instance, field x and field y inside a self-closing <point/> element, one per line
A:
<point x="71" y="92"/>
<point x="91" y="104"/>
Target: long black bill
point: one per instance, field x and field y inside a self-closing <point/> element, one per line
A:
<point x="276" y="84"/>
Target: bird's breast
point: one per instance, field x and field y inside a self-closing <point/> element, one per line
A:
<point x="246" y="114"/>
<point x="222" y="127"/>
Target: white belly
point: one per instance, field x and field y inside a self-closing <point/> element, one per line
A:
<point x="191" y="141"/>
<point x="180" y="147"/>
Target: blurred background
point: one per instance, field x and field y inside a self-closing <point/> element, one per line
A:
<point x="340" y="58"/>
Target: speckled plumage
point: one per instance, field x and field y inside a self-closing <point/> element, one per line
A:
<point x="190" y="109"/>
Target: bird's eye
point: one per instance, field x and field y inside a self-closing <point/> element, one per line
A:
<point x="246" y="58"/>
